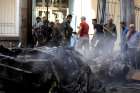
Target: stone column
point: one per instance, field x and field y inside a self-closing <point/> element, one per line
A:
<point x="23" y="20"/>
<point x="101" y="10"/>
<point x="26" y="23"/>
<point x="94" y="8"/>
<point x="75" y="10"/>
<point x="128" y="11"/>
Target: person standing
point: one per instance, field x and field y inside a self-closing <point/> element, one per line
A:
<point x="57" y="35"/>
<point x="98" y="28"/>
<point x="44" y="29"/>
<point x="37" y="30"/>
<point x="110" y="35"/>
<point x="67" y="30"/>
<point x="123" y="43"/>
<point x="83" y="32"/>
<point x="99" y="36"/>
<point x="133" y="42"/>
<point x="38" y="23"/>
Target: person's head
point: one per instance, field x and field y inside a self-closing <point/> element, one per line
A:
<point x="83" y="18"/>
<point x="132" y="27"/>
<point x="38" y="19"/>
<point x="94" y="21"/>
<point x="57" y="21"/>
<point x="51" y="24"/>
<point x="123" y="24"/>
<point x="45" y="20"/>
<point x="69" y="18"/>
<point x="110" y="21"/>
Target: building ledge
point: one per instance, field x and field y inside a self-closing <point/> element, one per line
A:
<point x="9" y="38"/>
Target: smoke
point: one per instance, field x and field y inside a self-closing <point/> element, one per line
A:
<point x="71" y="68"/>
<point x="102" y="59"/>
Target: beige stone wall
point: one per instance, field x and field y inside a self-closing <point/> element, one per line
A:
<point x="137" y="2"/>
<point x="117" y="22"/>
<point x="23" y="22"/>
<point x="7" y="9"/>
<point x="94" y="8"/>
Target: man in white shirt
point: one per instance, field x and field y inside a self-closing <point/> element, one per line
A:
<point x="36" y="30"/>
<point x="38" y="23"/>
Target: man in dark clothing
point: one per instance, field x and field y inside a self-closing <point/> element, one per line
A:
<point x="44" y="29"/>
<point x="47" y="29"/>
<point x="98" y="28"/>
<point x="99" y="34"/>
<point x="110" y="35"/>
<point x="57" y="35"/>
<point x="67" y="30"/>
<point x="110" y="29"/>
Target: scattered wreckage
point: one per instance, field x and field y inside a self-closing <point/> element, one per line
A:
<point x="46" y="70"/>
<point x="59" y="70"/>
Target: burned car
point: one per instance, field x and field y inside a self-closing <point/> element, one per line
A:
<point x="46" y="70"/>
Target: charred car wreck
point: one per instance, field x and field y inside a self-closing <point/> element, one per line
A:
<point x="62" y="70"/>
<point x="46" y="70"/>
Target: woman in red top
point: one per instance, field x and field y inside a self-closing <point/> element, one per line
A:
<point x="83" y="32"/>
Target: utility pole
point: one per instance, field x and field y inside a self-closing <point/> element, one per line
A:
<point x="47" y="11"/>
<point x="46" y="3"/>
<point x="26" y="23"/>
<point x="23" y="17"/>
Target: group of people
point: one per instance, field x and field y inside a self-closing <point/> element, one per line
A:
<point x="59" y="33"/>
<point x="105" y="36"/>
<point x="130" y="44"/>
<point x="44" y="31"/>
<point x="130" y="40"/>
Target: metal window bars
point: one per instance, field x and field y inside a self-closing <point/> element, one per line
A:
<point x="8" y="18"/>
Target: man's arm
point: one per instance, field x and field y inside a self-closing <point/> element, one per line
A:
<point x="80" y="29"/>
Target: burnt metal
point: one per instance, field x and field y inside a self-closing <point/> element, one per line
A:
<point x="59" y="70"/>
<point x="41" y="70"/>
